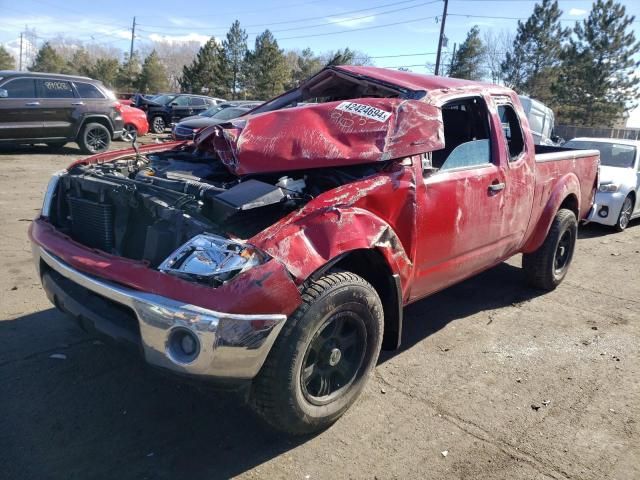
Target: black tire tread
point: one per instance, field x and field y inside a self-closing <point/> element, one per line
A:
<point x="536" y="264"/>
<point x="263" y="393"/>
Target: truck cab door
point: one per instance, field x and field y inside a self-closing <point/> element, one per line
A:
<point x="461" y="204"/>
<point x="180" y="108"/>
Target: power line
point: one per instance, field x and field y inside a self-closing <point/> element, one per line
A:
<point x="235" y="12"/>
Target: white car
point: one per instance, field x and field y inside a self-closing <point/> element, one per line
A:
<point x="618" y="197"/>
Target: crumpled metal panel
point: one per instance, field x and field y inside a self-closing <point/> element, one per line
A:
<point x="373" y="213"/>
<point x="330" y="134"/>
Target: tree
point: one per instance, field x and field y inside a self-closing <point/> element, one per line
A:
<point x="105" y="70"/>
<point x="531" y="65"/>
<point x="598" y="80"/>
<point x="206" y="74"/>
<point x="302" y="65"/>
<point x="235" y="51"/>
<point x="128" y="74"/>
<point x="80" y="63"/>
<point x="266" y="68"/>
<point x="7" y="62"/>
<point x="153" y="77"/>
<point x="468" y="60"/>
<point x="496" y="45"/>
<point x="48" y="60"/>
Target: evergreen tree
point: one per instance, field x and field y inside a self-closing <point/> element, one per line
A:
<point x="306" y="65"/>
<point x="153" y="77"/>
<point x="235" y="51"/>
<point x="128" y="74"/>
<point x="468" y="62"/>
<point x="105" y="70"/>
<point x="342" y="57"/>
<point x="48" y="60"/>
<point x="206" y="74"/>
<point x="266" y="71"/>
<point x="532" y="64"/>
<point x="598" y="80"/>
<point x="7" y="62"/>
<point x="80" y="63"/>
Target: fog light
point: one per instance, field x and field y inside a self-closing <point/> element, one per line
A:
<point x="603" y="212"/>
<point x="183" y="345"/>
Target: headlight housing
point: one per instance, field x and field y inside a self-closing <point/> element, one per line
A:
<point x="608" y="187"/>
<point x="211" y="259"/>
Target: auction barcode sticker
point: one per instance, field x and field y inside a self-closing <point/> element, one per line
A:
<point x="365" y="111"/>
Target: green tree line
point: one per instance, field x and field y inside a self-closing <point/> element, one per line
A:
<point x="588" y="74"/>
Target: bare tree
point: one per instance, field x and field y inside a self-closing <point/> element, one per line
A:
<point x="496" y="46"/>
<point x="173" y="55"/>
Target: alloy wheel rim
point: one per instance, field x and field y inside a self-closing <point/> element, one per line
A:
<point x="333" y="358"/>
<point x="97" y="139"/>
<point x="158" y="125"/>
<point x="563" y="252"/>
<point x="625" y="214"/>
<point x="127" y="134"/>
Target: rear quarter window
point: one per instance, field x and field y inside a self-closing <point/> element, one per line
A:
<point x="86" y="90"/>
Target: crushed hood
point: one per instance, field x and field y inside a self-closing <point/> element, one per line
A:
<point x="329" y="134"/>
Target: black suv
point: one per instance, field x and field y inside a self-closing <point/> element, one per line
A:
<point x="166" y="109"/>
<point x="56" y="109"/>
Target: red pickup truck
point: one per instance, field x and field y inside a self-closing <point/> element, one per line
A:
<point x="278" y="250"/>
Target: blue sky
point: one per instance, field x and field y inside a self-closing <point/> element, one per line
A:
<point x="383" y="29"/>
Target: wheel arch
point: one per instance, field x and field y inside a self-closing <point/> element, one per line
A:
<point x="371" y="265"/>
<point x="101" y="119"/>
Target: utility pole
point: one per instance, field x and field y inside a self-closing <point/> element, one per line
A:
<point x="20" y="62"/>
<point x="444" y="19"/>
<point x="133" y="36"/>
<point x="453" y="56"/>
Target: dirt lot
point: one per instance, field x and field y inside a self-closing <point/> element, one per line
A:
<point x="476" y="359"/>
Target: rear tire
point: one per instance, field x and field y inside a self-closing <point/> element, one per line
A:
<point x="625" y="214"/>
<point x="321" y="360"/>
<point x="158" y="124"/>
<point x="548" y="265"/>
<point x="94" y="138"/>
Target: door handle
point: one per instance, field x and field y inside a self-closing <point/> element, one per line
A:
<point x="496" y="187"/>
<point x="32" y="104"/>
<point x="77" y="104"/>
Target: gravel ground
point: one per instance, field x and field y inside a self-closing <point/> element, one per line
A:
<point x="494" y="381"/>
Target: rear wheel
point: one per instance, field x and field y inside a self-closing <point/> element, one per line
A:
<point x="625" y="214"/>
<point x="323" y="356"/>
<point x="129" y="133"/>
<point x="158" y="124"/>
<point x="94" y="138"/>
<point x="546" y="267"/>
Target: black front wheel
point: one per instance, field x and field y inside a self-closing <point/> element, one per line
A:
<point x="158" y="124"/>
<point x="548" y="265"/>
<point x="322" y="358"/>
<point x="94" y="138"/>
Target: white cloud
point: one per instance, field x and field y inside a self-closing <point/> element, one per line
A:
<point x="577" y="12"/>
<point x="351" y="22"/>
<point x="188" y="37"/>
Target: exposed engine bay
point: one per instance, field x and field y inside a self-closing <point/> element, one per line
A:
<point x="167" y="208"/>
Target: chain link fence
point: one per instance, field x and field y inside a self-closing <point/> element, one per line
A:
<point x="568" y="132"/>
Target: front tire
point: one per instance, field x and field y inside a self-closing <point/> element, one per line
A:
<point x="129" y="133"/>
<point x="94" y="138"/>
<point x="321" y="360"/>
<point x="625" y="214"/>
<point x="548" y="265"/>
<point x="158" y="124"/>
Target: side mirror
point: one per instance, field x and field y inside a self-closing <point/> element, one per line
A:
<point x="3" y="93"/>
<point x="174" y="103"/>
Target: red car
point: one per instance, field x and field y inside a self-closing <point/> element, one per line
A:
<point x="277" y="251"/>
<point x="135" y="122"/>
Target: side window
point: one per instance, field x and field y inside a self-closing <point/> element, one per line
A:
<point x="86" y="90"/>
<point x="54" y="89"/>
<point x="511" y="130"/>
<point x="197" y="101"/>
<point x="466" y="135"/>
<point x="182" y="101"/>
<point x="21" y="88"/>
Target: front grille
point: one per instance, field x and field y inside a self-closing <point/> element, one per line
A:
<point x="92" y="223"/>
<point x="183" y="132"/>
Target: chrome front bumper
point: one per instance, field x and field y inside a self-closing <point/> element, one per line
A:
<point x="229" y="346"/>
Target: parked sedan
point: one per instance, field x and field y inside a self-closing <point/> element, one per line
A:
<point x="187" y="128"/>
<point x="619" y="188"/>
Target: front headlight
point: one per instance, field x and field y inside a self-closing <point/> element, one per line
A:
<point x="50" y="192"/>
<point x="212" y="259"/>
<point x="609" y="187"/>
